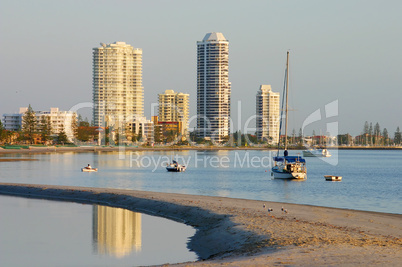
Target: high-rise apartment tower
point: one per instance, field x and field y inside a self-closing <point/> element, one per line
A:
<point x="118" y="95"/>
<point x="267" y="111"/>
<point x="173" y="107"/>
<point x="213" y="87"/>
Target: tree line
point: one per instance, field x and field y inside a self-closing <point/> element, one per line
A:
<point x="34" y="131"/>
<point x="375" y="136"/>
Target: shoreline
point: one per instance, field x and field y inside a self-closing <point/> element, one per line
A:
<point x="240" y="232"/>
<point x="87" y="149"/>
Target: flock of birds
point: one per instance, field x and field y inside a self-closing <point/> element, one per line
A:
<point x="270" y="209"/>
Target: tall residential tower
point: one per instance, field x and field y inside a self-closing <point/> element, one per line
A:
<point x="173" y="107"/>
<point x="213" y="87"/>
<point x="118" y="95"/>
<point x="267" y="111"/>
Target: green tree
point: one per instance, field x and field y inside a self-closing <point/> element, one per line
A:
<point x="386" y="136"/>
<point x="344" y="139"/>
<point x="158" y="134"/>
<point x="29" y="125"/>
<point x="107" y="136"/>
<point x="397" y="137"/>
<point x="79" y="118"/>
<point x="293" y="137"/>
<point x="83" y="123"/>
<point x="300" y="137"/>
<point x="366" y="127"/>
<point x="377" y="133"/>
<point x="2" y="132"/>
<point x="62" y="137"/>
<point x="252" y="139"/>
<point x="371" y="133"/>
<point x="169" y="136"/>
<point x="45" y="128"/>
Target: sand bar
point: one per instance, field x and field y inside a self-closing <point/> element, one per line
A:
<point x="239" y="232"/>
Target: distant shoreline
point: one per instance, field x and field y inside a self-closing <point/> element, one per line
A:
<point x="52" y="149"/>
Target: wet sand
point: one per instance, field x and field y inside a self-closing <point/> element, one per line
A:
<point x="239" y="232"/>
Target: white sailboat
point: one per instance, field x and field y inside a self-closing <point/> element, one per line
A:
<point x="288" y="167"/>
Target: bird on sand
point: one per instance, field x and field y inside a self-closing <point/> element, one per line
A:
<point x="269" y="210"/>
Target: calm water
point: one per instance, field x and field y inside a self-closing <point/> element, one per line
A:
<point x="48" y="233"/>
<point x="372" y="179"/>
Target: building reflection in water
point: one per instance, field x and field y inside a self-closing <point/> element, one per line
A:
<point x="116" y="231"/>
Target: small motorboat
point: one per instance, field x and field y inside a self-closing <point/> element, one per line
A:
<point x="316" y="153"/>
<point x="333" y="178"/>
<point x="89" y="169"/>
<point x="175" y="167"/>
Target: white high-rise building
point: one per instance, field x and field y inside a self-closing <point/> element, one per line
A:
<point x="213" y="87"/>
<point x="267" y="111"/>
<point x="118" y="95"/>
<point x="173" y="107"/>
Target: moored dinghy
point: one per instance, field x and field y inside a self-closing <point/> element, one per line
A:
<point x="333" y="178"/>
<point x="89" y="169"/>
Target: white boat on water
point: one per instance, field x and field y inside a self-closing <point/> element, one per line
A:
<point x="89" y="169"/>
<point x="175" y="167"/>
<point x="316" y="153"/>
<point x="333" y="178"/>
<point x="288" y="167"/>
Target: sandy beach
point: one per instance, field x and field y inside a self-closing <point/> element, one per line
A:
<point x="239" y="232"/>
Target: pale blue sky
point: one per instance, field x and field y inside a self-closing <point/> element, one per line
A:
<point x="348" y="51"/>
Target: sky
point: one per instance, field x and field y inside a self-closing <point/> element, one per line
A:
<point x="345" y="56"/>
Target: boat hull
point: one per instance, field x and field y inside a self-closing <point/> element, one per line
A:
<point x="89" y="170"/>
<point x="333" y="178"/>
<point x="288" y="175"/>
<point x="174" y="170"/>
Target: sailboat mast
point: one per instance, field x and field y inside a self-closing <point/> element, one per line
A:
<point x="286" y="106"/>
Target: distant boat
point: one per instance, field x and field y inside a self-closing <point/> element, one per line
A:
<point x="333" y="178"/>
<point x="316" y="153"/>
<point x="175" y="167"/>
<point x="89" y="169"/>
<point x="288" y="167"/>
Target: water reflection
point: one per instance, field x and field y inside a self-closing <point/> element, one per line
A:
<point x="36" y="232"/>
<point x="116" y="232"/>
